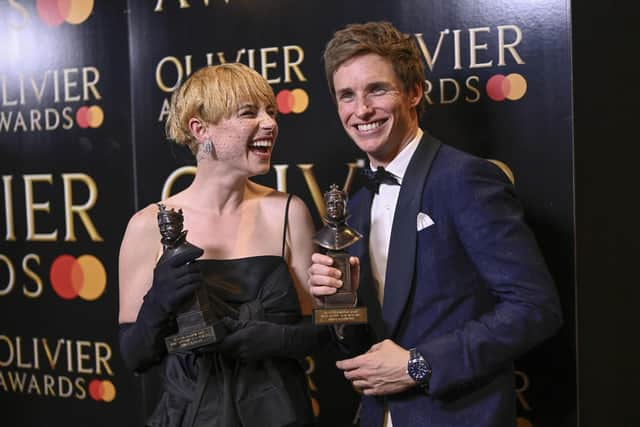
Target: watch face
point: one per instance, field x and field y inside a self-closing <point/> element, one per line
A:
<point x="419" y="370"/>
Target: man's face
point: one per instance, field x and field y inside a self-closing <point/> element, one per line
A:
<point x="374" y="109"/>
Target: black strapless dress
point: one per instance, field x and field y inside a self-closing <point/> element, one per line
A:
<point x="208" y="388"/>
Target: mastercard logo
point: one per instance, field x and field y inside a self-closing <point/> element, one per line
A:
<point x="292" y="101"/>
<point x="55" y="12"/>
<point x="511" y="87"/>
<point x="102" y="391"/>
<point x="83" y="277"/>
<point x="89" y="117"/>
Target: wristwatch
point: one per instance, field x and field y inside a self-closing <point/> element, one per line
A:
<point x="418" y="368"/>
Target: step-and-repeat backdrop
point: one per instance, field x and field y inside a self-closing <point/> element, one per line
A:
<point x="84" y="92"/>
<point x="67" y="174"/>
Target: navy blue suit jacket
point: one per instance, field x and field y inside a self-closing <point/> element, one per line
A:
<point x="471" y="292"/>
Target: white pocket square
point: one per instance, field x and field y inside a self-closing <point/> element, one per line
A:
<point x="424" y="221"/>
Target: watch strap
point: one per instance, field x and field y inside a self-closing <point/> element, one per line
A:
<point x="418" y="362"/>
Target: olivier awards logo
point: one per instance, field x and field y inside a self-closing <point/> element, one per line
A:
<point x="277" y="64"/>
<point x="473" y="49"/>
<point x="62" y="368"/>
<point x="50" y="100"/>
<point x="53" y="98"/>
<point x="45" y="366"/>
<point x="69" y="277"/>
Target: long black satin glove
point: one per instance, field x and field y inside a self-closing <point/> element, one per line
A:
<point x="174" y="281"/>
<point x="255" y="339"/>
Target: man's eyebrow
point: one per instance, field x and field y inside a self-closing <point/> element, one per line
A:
<point x="369" y="86"/>
<point x="344" y="89"/>
<point x="381" y="83"/>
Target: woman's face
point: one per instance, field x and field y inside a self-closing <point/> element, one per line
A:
<point x="246" y="138"/>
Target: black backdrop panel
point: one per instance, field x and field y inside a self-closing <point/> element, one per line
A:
<point x="83" y="93"/>
<point x="470" y="49"/>
<point x="67" y="172"/>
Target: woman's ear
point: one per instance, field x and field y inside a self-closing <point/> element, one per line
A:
<point x="198" y="128"/>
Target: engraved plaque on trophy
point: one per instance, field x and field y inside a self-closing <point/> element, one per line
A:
<point x="197" y="324"/>
<point x="335" y="236"/>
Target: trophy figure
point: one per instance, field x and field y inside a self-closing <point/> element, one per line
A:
<point x="335" y="236"/>
<point x="197" y="324"/>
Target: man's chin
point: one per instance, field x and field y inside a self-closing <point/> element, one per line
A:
<point x="373" y="150"/>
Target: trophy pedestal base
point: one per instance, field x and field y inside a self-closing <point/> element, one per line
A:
<point x="339" y="315"/>
<point x="194" y="337"/>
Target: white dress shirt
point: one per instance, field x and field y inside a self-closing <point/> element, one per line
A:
<point x="383" y="208"/>
<point x="382" y="211"/>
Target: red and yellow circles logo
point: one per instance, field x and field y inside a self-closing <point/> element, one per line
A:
<point x="292" y="101"/>
<point x="55" y="12"/>
<point x="103" y="391"/>
<point x="84" y="276"/>
<point x="512" y="87"/>
<point x="89" y="117"/>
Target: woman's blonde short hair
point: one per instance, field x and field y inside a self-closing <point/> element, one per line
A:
<point x="211" y="94"/>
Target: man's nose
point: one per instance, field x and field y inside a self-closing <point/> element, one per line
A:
<point x="363" y="106"/>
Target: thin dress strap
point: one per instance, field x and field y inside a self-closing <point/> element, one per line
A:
<point x="286" y="221"/>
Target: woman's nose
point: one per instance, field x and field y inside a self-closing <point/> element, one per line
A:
<point x="267" y="121"/>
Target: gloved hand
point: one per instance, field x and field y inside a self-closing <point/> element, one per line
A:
<point x="255" y="339"/>
<point x="252" y="339"/>
<point x="174" y="280"/>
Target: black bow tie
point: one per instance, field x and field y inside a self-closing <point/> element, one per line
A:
<point x="377" y="177"/>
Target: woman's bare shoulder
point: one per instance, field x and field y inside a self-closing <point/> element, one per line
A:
<point x="144" y="220"/>
<point x="273" y="196"/>
<point x="268" y="198"/>
<point x="142" y="234"/>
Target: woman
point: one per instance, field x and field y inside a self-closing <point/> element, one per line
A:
<point x="255" y="243"/>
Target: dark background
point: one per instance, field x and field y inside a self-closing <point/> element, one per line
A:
<point x="569" y="142"/>
<point x="607" y="231"/>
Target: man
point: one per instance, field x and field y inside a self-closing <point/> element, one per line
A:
<point x="452" y="277"/>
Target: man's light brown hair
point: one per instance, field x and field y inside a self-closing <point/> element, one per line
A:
<point x="383" y="39"/>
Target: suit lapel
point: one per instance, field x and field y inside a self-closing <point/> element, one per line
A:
<point x="402" y="247"/>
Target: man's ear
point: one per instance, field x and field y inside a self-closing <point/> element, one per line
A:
<point x="415" y="95"/>
<point x="198" y="128"/>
